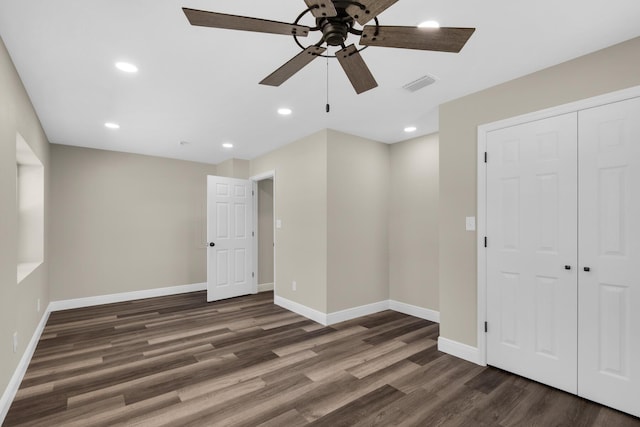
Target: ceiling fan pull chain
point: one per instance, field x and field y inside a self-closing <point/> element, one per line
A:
<point x="328" y="107"/>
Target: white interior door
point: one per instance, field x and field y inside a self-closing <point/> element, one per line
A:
<point x="609" y="293"/>
<point x="230" y="238"/>
<point x="532" y="250"/>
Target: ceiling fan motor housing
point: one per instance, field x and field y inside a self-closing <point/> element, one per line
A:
<point x="335" y="29"/>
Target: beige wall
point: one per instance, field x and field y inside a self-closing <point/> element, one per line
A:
<point x="234" y="168"/>
<point x="125" y="222"/>
<point x="413" y="222"/>
<point x="357" y="219"/>
<point x="604" y="71"/>
<point x="380" y="207"/>
<point x="265" y="231"/>
<point x="17" y="302"/>
<point x="300" y="198"/>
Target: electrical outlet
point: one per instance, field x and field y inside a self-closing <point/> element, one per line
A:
<point x="294" y="285"/>
<point x="15" y="342"/>
<point x="38" y="305"/>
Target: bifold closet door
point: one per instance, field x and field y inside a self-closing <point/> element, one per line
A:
<point x="609" y="247"/>
<point x="532" y="250"/>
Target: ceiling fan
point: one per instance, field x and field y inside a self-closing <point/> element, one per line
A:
<point x="336" y="19"/>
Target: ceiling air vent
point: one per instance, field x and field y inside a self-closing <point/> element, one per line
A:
<point x="418" y="84"/>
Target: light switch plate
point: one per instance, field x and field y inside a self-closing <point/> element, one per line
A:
<point x="471" y="223"/>
<point x="278" y="223"/>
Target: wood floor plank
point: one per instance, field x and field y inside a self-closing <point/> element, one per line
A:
<point x="318" y="407"/>
<point x="236" y="412"/>
<point x="398" y="411"/>
<point x="357" y="409"/>
<point x="290" y="418"/>
<point x="378" y="363"/>
<point x="244" y="362"/>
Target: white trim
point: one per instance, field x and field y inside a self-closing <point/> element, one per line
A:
<point x="256" y="264"/>
<point x="255" y="178"/>
<point x="355" y="312"/>
<point x="125" y="296"/>
<point x="415" y="311"/>
<point x="459" y="350"/>
<point x="483" y="130"/>
<point x="300" y="309"/>
<point x="14" y="383"/>
<point x="264" y="175"/>
<point x="481" y="258"/>
<point x="264" y="287"/>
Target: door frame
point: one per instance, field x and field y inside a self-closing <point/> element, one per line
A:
<point x="255" y="179"/>
<point x="481" y="209"/>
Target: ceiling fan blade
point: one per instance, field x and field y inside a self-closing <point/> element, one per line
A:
<point x="321" y="8"/>
<point x="294" y="65"/>
<point x="354" y="66"/>
<point x="203" y="18"/>
<point x="372" y="8"/>
<point x="440" y="39"/>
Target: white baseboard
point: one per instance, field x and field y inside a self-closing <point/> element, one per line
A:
<point x="14" y="383"/>
<point x="352" y="313"/>
<point x="125" y="296"/>
<point x="264" y="287"/>
<point x="415" y="311"/>
<point x="355" y="312"/>
<point x="459" y="350"/>
<point x="300" y="309"/>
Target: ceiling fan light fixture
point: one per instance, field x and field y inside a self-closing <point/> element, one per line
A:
<point x="410" y="129"/>
<point x="284" y="111"/>
<point x="126" y="67"/>
<point x="429" y="24"/>
<point x="112" y="125"/>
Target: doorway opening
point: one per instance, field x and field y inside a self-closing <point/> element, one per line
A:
<point x="264" y="224"/>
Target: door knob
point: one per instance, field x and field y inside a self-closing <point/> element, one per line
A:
<point x="212" y="244"/>
<point x="567" y="267"/>
<point x="587" y="269"/>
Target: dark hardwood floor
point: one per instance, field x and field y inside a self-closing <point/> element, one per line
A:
<point x="178" y="361"/>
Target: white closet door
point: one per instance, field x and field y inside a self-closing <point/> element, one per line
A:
<point x="609" y="293"/>
<point x="531" y="230"/>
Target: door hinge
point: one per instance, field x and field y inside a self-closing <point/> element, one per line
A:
<point x="253" y="274"/>
<point x="485" y="157"/>
<point x="253" y="193"/>
<point x="253" y="234"/>
<point x="486" y="327"/>
<point x="485" y="241"/>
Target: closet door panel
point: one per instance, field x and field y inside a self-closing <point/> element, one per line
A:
<point x="531" y="230"/>
<point x="609" y="247"/>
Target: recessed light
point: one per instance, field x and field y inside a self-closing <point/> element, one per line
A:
<point x="429" y="24"/>
<point x="112" y="125"/>
<point x="410" y="129"/>
<point x="284" y="111"/>
<point x="126" y="67"/>
<point x="227" y="145"/>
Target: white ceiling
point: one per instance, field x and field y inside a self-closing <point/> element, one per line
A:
<point x="200" y="85"/>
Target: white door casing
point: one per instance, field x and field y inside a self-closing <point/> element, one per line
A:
<point x="532" y="250"/>
<point x="230" y="230"/>
<point x="609" y="245"/>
